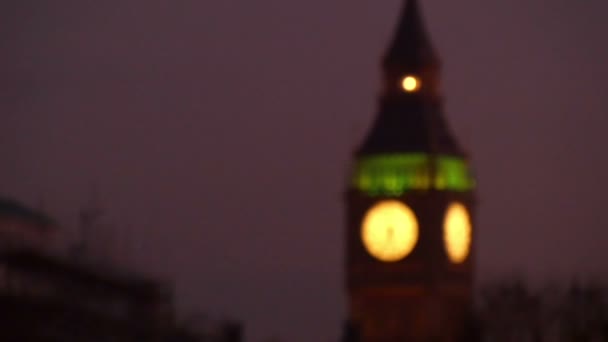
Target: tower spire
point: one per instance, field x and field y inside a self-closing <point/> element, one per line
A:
<point x="411" y="45"/>
<point x="410" y="118"/>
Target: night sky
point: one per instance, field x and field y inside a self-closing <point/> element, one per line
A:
<point x="219" y="135"/>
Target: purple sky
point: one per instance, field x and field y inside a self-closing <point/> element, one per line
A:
<point x="219" y="134"/>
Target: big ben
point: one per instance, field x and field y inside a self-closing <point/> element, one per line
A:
<point x="410" y="206"/>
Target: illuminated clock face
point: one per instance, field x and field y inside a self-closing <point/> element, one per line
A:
<point x="457" y="232"/>
<point x="410" y="83"/>
<point x="389" y="231"/>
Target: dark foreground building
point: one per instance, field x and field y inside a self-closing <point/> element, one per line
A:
<point x="410" y="207"/>
<point x="47" y="297"/>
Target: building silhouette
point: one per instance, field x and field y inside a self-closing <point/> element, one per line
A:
<point x="22" y="227"/>
<point x="46" y="296"/>
<point x="409" y="207"/>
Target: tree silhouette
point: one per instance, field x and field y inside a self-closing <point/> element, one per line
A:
<point x="511" y="311"/>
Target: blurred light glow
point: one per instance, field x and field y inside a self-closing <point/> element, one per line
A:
<point x="457" y="232"/>
<point x="410" y="84"/>
<point x="396" y="174"/>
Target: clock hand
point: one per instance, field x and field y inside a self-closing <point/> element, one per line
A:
<point x="389" y="238"/>
<point x="390" y="232"/>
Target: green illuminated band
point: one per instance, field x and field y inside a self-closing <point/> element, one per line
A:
<point x="395" y="174"/>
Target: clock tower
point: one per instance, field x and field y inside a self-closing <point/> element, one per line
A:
<point x="410" y="206"/>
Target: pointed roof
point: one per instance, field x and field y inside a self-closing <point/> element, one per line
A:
<point x="410" y="127"/>
<point x="408" y="123"/>
<point x="411" y="45"/>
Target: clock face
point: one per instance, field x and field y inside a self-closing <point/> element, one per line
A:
<point x="457" y="232"/>
<point x="389" y="231"/>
